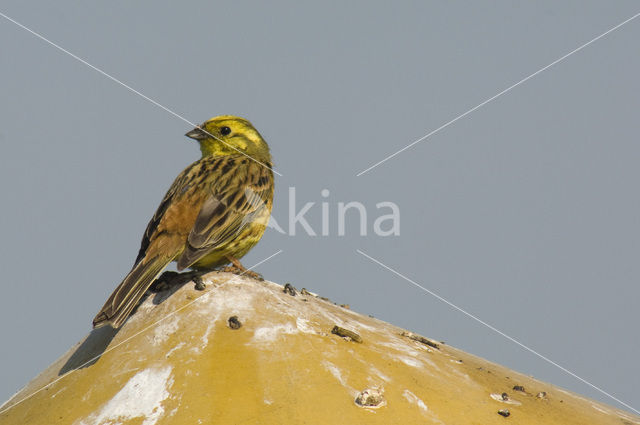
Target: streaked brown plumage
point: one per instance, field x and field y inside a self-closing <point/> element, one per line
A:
<point x="215" y="211"/>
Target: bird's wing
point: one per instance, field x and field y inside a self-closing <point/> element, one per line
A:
<point x="163" y="240"/>
<point x="179" y="187"/>
<point x="224" y="214"/>
<point x="127" y="295"/>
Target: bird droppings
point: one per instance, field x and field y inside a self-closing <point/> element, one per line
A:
<point x="409" y="361"/>
<point x="381" y="375"/>
<point x="371" y="398"/>
<point x="141" y="397"/>
<point x="346" y="334"/>
<point x="519" y="388"/>
<point x="304" y="326"/>
<point x="271" y="333"/>
<point x="289" y="289"/>
<point x="337" y="374"/>
<point x="421" y="339"/>
<point x="347" y="306"/>
<point x="504" y="412"/>
<point x="304" y="291"/>
<point x="234" y="323"/>
<point x="199" y="283"/>
<point x="175" y="348"/>
<point x="542" y="395"/>
<point x="284" y="348"/>
<point x="504" y="398"/>
<point x="164" y="330"/>
<point x="413" y="399"/>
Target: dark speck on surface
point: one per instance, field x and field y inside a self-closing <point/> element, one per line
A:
<point x="504" y="412"/>
<point x="234" y="323"/>
<point x="289" y="289"/>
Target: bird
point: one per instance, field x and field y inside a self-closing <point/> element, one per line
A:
<point x="215" y="211"/>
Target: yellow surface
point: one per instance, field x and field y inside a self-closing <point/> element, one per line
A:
<point x="282" y="366"/>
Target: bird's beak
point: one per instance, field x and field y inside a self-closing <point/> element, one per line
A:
<point x="197" y="134"/>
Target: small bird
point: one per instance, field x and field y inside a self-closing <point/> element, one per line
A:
<point x="215" y="211"/>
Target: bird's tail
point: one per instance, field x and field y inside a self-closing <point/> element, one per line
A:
<point x="127" y="295"/>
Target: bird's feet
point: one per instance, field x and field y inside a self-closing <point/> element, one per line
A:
<point x="240" y="270"/>
<point x="169" y="279"/>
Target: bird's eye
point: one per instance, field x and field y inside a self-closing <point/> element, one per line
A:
<point x="225" y="131"/>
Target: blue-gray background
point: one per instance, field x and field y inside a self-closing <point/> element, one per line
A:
<point x="525" y="213"/>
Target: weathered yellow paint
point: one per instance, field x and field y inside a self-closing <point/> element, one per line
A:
<point x="283" y="366"/>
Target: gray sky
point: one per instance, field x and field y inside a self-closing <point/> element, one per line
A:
<point x="524" y="213"/>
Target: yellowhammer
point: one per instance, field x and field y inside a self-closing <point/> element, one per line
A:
<point x="214" y="212"/>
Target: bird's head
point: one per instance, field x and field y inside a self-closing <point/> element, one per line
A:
<point x="228" y="135"/>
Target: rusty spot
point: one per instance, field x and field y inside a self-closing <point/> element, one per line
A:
<point x="346" y="333"/>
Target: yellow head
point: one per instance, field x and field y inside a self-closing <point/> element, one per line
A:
<point x="228" y="135"/>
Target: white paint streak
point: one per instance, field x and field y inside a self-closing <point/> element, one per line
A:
<point x="271" y="333"/>
<point x="465" y="377"/>
<point x="164" y="329"/>
<point x="413" y="399"/>
<point x="58" y="392"/>
<point x="380" y="374"/>
<point x="177" y="347"/>
<point x="304" y="326"/>
<point x="141" y="397"/>
<point x="360" y="325"/>
<point x="600" y="410"/>
<point x="628" y="418"/>
<point x="334" y="371"/>
<point x="409" y="361"/>
<point x="401" y="347"/>
<point x="204" y="339"/>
